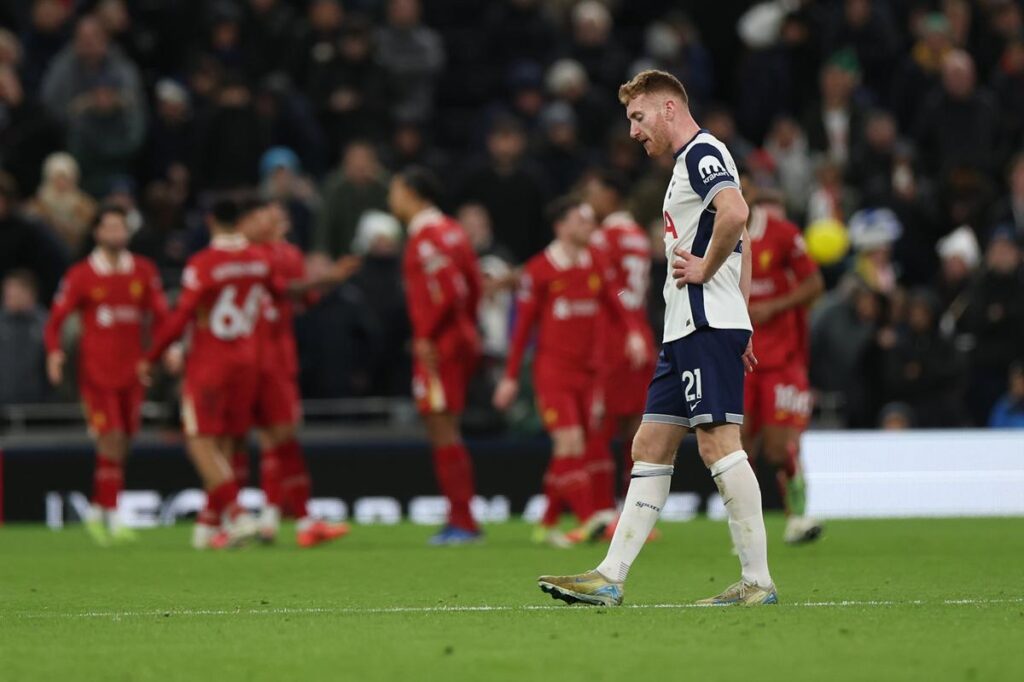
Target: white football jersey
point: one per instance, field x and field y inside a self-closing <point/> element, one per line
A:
<point x="704" y="167"/>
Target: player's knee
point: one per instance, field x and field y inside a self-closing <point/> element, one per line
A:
<point x="568" y="442"/>
<point x="779" y="447"/>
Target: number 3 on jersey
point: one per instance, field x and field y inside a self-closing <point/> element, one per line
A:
<point x="228" y="320"/>
<point x="693" y="390"/>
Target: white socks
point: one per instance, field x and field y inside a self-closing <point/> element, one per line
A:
<point x="647" y="493"/>
<point x="742" y="497"/>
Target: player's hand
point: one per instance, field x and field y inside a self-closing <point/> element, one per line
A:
<point x="145" y="372"/>
<point x="174" y="360"/>
<point x="762" y="312"/>
<point x="505" y="394"/>
<point x="55" y="367"/>
<point x="636" y="350"/>
<point x="687" y="268"/>
<point x="345" y="267"/>
<point x="749" y="359"/>
<point x="426" y="352"/>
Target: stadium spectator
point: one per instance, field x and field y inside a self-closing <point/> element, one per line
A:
<point x="674" y="46"/>
<point x="1008" y="87"/>
<point x="872" y="234"/>
<point x="994" y="318"/>
<point x="171" y="133"/>
<point x="787" y="145"/>
<point x="412" y="55"/>
<point x="920" y="71"/>
<point x="595" y="47"/>
<point x="46" y="35"/>
<point x="567" y="80"/>
<point x="1009" y="210"/>
<point x="349" y="90"/>
<point x="411" y="147"/>
<point x="78" y="68"/>
<point x="512" y="189"/>
<point x="896" y="417"/>
<point x="835" y="122"/>
<point x="1008" y="412"/>
<point x="163" y="235"/>
<point x="282" y="181"/>
<point x="958" y="124"/>
<point x="314" y="44"/>
<point x="291" y="122"/>
<point x="27" y="133"/>
<point x="959" y="255"/>
<point x="718" y="119"/>
<point x="359" y="185"/>
<point x="866" y="28"/>
<point x="267" y="34"/>
<point x="61" y="204"/>
<point x="923" y="369"/>
<point x="22" y="357"/>
<point x="223" y="44"/>
<point x="560" y="152"/>
<point x="497" y="272"/>
<point x="230" y="139"/>
<point x="520" y="30"/>
<point x="105" y="132"/>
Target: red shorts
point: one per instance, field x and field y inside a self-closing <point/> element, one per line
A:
<point x="442" y="390"/>
<point x="278" y="400"/>
<point x="625" y="391"/>
<point x="112" y="409"/>
<point x="777" y="397"/>
<point x="221" y="405"/>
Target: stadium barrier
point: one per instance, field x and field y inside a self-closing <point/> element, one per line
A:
<point x="850" y="475"/>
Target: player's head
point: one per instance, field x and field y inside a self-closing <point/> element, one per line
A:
<point x="605" y="191"/>
<point x="413" y="190"/>
<point x="279" y="219"/>
<point x="572" y="220"/>
<point x="655" y="101"/>
<point x="223" y="216"/>
<point x="110" y="228"/>
<point x="253" y="221"/>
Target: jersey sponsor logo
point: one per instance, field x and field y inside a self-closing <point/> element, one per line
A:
<point x="762" y="287"/>
<point x="109" y="315"/>
<point x="564" y="308"/>
<point x="790" y="399"/>
<point x="234" y="270"/>
<point x="710" y="169"/>
<point x="670" y="226"/>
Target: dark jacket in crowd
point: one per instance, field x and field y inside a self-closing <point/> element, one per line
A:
<point x="22" y="357"/>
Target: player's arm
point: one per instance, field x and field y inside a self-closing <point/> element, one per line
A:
<point x="431" y="290"/>
<point x="528" y="306"/>
<point x="747" y="267"/>
<point x="64" y="303"/>
<point x="174" y="324"/>
<point x="308" y="289"/>
<point x="731" y="213"/>
<point x="810" y="284"/>
<point x="156" y="299"/>
<point x="636" y="346"/>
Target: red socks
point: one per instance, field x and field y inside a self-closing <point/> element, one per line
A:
<point x="601" y="468"/>
<point x="454" y="470"/>
<point x="223" y="500"/>
<point x="108" y="480"/>
<point x="270" y="477"/>
<point x="294" y="479"/>
<point x="569" y="483"/>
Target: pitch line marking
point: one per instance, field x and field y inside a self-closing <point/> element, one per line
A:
<point x="284" y="611"/>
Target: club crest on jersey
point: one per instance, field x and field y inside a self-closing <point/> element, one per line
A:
<point x="135" y="288"/>
<point x="766" y="259"/>
<point x="594" y="282"/>
<point x="711" y="168"/>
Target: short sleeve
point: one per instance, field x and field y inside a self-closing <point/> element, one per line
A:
<point x="710" y="171"/>
<point x="799" y="261"/>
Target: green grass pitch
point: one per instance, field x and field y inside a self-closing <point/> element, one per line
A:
<point x="874" y="600"/>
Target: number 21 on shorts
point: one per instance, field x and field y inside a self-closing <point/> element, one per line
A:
<point x="692" y="388"/>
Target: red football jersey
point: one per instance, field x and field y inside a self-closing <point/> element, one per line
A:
<point x="627" y="251"/>
<point x="442" y="283"/>
<point x="277" y="324"/>
<point x="223" y="291"/>
<point x="780" y="262"/>
<point x="564" y="299"/>
<point x="114" y="301"/>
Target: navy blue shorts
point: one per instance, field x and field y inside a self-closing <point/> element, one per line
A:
<point x="699" y="379"/>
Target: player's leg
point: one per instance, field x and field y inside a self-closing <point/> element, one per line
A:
<point x="782" y="453"/>
<point x="104" y="416"/>
<point x="654" y="451"/>
<point x="721" y="450"/>
<point x="453" y="468"/>
<point x="600" y="464"/>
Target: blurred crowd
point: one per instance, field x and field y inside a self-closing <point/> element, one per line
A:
<point x="898" y="125"/>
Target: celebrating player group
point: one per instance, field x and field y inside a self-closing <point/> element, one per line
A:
<point x="735" y="273"/>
